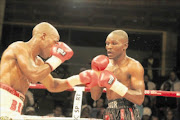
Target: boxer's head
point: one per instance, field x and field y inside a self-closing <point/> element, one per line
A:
<point x="116" y="43"/>
<point x="47" y="36"/>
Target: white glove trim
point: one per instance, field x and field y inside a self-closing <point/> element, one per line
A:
<point x="54" y="62"/>
<point x="74" y="80"/>
<point x="119" y="88"/>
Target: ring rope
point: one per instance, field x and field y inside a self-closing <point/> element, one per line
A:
<point x="146" y="92"/>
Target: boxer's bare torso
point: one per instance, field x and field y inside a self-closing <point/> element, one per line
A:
<point x="22" y="62"/>
<point x="128" y="71"/>
<point x="11" y="74"/>
<point x="123" y="73"/>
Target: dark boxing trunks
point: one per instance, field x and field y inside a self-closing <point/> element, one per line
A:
<point x="121" y="109"/>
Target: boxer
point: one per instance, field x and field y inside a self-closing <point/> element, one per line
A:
<point x="22" y="64"/>
<point x="123" y="78"/>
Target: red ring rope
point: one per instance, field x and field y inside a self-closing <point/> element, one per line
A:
<point x="147" y="92"/>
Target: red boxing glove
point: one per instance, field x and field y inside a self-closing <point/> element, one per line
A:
<point x="89" y="77"/>
<point x="60" y="52"/>
<point x="108" y="80"/>
<point x="99" y="63"/>
<point x="85" y="77"/>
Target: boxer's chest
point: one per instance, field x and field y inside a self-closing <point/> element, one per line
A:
<point x="122" y="74"/>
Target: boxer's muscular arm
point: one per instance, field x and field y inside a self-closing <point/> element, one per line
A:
<point x="96" y="92"/>
<point x="98" y="64"/>
<point x="52" y="84"/>
<point x="135" y="93"/>
<point x="55" y="84"/>
<point x="28" y="67"/>
<point x="60" y="52"/>
<point x="58" y="85"/>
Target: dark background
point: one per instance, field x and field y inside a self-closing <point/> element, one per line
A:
<point x="86" y="23"/>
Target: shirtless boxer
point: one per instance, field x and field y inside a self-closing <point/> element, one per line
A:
<point x="123" y="79"/>
<point x="21" y="64"/>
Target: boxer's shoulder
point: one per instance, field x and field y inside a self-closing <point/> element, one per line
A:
<point x="134" y="65"/>
<point x="11" y="50"/>
<point x="14" y="50"/>
<point x="16" y="46"/>
<point x="133" y="62"/>
<point x="21" y="45"/>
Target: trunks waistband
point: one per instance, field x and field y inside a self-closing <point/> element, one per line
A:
<point x="12" y="91"/>
<point x="120" y="103"/>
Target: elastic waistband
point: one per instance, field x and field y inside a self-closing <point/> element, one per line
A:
<point x="12" y="91"/>
<point x="120" y="103"/>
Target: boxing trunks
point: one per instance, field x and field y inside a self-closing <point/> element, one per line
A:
<point x="121" y="109"/>
<point x="11" y="102"/>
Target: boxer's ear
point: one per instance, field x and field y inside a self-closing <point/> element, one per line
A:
<point x="125" y="46"/>
<point x="43" y="36"/>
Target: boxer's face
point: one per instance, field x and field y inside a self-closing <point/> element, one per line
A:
<point x="58" y="111"/>
<point x="50" y="41"/>
<point x="114" y="46"/>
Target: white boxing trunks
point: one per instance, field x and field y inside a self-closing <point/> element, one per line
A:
<point x="11" y="102"/>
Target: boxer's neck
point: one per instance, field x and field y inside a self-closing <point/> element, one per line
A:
<point x="121" y="60"/>
<point x="33" y="48"/>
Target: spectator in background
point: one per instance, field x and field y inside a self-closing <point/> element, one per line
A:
<point x="154" y="117"/>
<point x="149" y="85"/>
<point x="147" y="102"/>
<point x="170" y="102"/>
<point x="85" y="111"/>
<point x="165" y="102"/>
<point x="150" y="64"/>
<point x="97" y="111"/>
<point x="68" y="104"/>
<point x="175" y="86"/>
<point x="169" y="115"/>
<point x="28" y="101"/>
<point x="57" y="112"/>
<point x="30" y="111"/>
<point x="146" y="113"/>
<point x="173" y="80"/>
